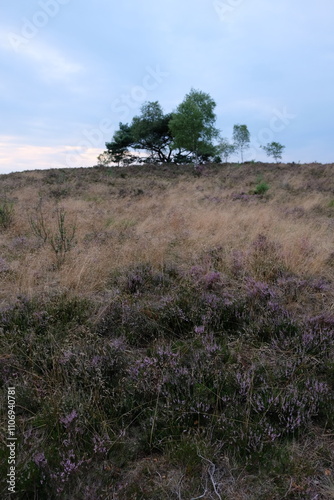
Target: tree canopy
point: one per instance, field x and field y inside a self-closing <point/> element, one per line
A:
<point x="181" y="136"/>
<point x="274" y="149"/>
<point x="188" y="134"/>
<point x="192" y="125"/>
<point x="241" y="138"/>
<point x="225" y="149"/>
<point x="118" y="148"/>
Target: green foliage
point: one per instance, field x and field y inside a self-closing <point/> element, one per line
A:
<point x="226" y="149"/>
<point x="274" y="149"/>
<point x="6" y="213"/>
<point x="241" y="138"/>
<point x="181" y="137"/>
<point x="150" y="132"/>
<point x="261" y="188"/>
<point x="192" y="125"/>
<point x="58" y="314"/>
<point x="118" y="148"/>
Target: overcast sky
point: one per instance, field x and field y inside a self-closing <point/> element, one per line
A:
<point x="71" y="70"/>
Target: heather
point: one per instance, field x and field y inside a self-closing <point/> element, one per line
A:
<point x="182" y="345"/>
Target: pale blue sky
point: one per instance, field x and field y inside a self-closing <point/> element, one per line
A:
<point x="71" y="70"/>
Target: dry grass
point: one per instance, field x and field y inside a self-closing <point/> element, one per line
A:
<point x="149" y="218"/>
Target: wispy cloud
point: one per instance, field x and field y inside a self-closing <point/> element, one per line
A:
<point x="16" y="156"/>
<point x="49" y="62"/>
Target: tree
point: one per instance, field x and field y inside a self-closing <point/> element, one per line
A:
<point x="241" y="138"/>
<point x="150" y="132"/>
<point x="182" y="136"/>
<point x="225" y="149"/>
<point x="192" y="126"/>
<point x="104" y="159"/>
<point x="274" y="149"/>
<point x="118" y="148"/>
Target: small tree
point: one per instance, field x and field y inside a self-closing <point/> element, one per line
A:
<point x="192" y="125"/>
<point x="274" y="149"/>
<point x="6" y="213"/>
<point x="225" y="149"/>
<point x="118" y="148"/>
<point x="241" y="138"/>
<point x="60" y="238"/>
<point x="150" y="132"/>
<point x="104" y="159"/>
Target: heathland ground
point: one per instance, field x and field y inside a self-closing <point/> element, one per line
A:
<point x="169" y="331"/>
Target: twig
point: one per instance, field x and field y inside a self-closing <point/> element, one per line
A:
<point x="211" y="474"/>
<point x="179" y="492"/>
<point x="202" y="496"/>
<point x="154" y="417"/>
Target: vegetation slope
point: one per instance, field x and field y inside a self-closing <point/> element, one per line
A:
<point x="169" y="331"/>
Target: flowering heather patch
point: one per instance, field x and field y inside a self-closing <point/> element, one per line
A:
<point x="68" y="419"/>
<point x="4" y="266"/>
<point x="199" y="329"/>
<point x="40" y="459"/>
<point x="185" y="362"/>
<point x="22" y="316"/>
<point x="21" y="243"/>
<point x="259" y="291"/>
<point x="242" y="196"/>
<point x="238" y="263"/>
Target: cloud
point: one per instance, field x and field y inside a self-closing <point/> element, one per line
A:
<point x="48" y="61"/>
<point x="17" y="156"/>
<point x="51" y="63"/>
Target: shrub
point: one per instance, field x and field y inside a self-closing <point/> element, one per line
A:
<point x="61" y="238"/>
<point x="6" y="213"/>
<point x="261" y="188"/>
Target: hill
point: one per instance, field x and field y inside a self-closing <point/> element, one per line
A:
<point x="169" y="331"/>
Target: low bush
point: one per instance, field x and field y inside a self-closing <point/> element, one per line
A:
<point x="6" y="213"/>
<point x="261" y="188"/>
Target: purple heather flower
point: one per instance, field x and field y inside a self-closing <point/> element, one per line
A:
<point x="69" y="418"/>
<point x="96" y="361"/>
<point x="212" y="278"/>
<point x="40" y="459"/>
<point x="199" y="329"/>
<point x="4" y="266"/>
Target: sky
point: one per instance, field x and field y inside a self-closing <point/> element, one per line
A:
<point x="71" y="70"/>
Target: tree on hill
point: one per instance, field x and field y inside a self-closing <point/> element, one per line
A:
<point x="192" y="126"/>
<point x="274" y="149"/>
<point x="118" y="148"/>
<point x="225" y="149"/>
<point x="182" y="136"/>
<point x="150" y="132"/>
<point x="241" y="138"/>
